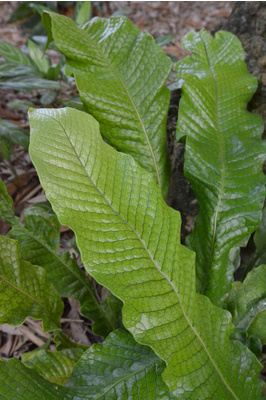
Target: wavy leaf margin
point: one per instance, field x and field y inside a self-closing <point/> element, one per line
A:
<point x="129" y="241"/>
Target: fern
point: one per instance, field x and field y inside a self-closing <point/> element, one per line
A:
<point x="175" y="342"/>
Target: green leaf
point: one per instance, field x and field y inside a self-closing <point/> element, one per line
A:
<point x="130" y="242"/>
<point x="13" y="54"/>
<point x="164" y="40"/>
<point x="74" y="353"/>
<point x="108" y="59"/>
<point x="260" y="242"/>
<point x="9" y="69"/>
<point x="75" y="102"/>
<point x="53" y="72"/>
<point x="18" y="104"/>
<point x="19" y="383"/>
<point x="260" y="238"/>
<point x="22" y="11"/>
<point x="119" y="368"/>
<point x="28" y="83"/>
<point x="82" y="12"/>
<point x="6" y="148"/>
<point x="112" y="306"/>
<point x="254" y="345"/>
<point x="47" y="98"/>
<point x="247" y="303"/>
<point x="224" y="154"/>
<point x="39" y="244"/>
<point x="14" y="133"/>
<point x="55" y="366"/>
<point x="37" y="56"/>
<point x="119" y="12"/>
<point x="30" y="354"/>
<point x="173" y="59"/>
<point x="7" y="213"/>
<point x="25" y="290"/>
<point x="39" y="8"/>
<point x="64" y="343"/>
<point x="257" y="328"/>
<point x="259" y="255"/>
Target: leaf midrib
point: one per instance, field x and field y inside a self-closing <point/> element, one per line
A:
<point x="23" y="292"/>
<point x="124" y="378"/>
<point x="221" y="190"/>
<point x="152" y="260"/>
<point x="121" y="380"/>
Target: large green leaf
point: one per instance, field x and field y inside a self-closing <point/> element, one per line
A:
<point x="224" y="154"/>
<point x="130" y="242"/>
<point x="119" y="368"/>
<point x="39" y="244"/>
<point x="19" y="383"/>
<point x="25" y="290"/>
<point x="247" y="303"/>
<point x="120" y="73"/>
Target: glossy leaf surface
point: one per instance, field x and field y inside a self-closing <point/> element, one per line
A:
<point x="25" y="290"/>
<point x="130" y="242"/>
<point x="224" y="153"/>
<point x="119" y="368"/>
<point x="247" y="303"/>
<point x="120" y="73"/>
<point x="19" y="383"/>
<point x="39" y="244"/>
